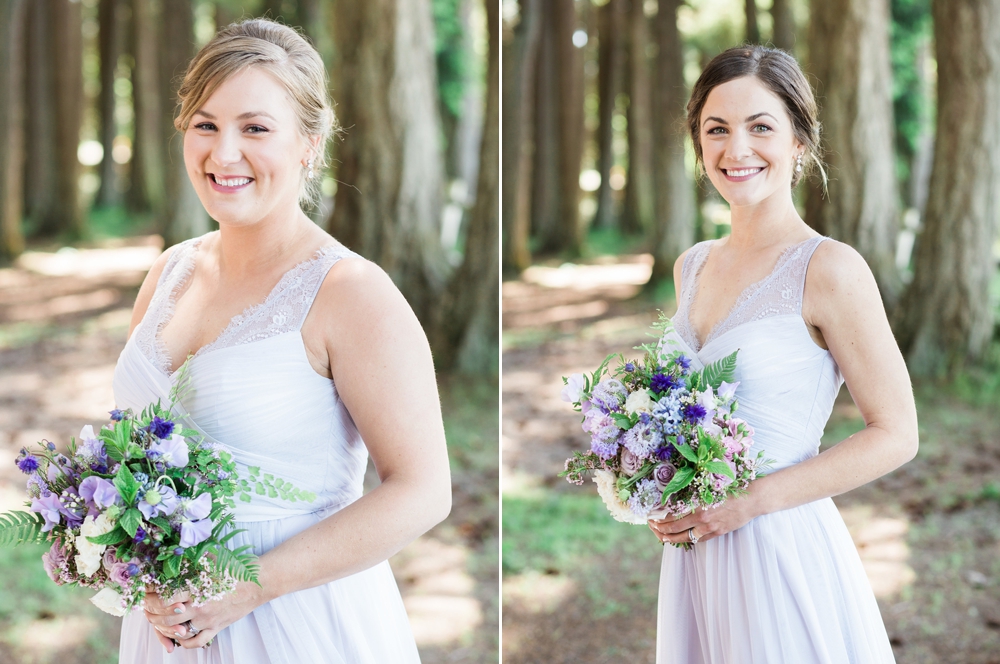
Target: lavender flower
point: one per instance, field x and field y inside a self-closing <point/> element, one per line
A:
<point x="694" y="412"/>
<point x="604" y="433"/>
<point x="195" y="527"/>
<point x="173" y="452"/>
<point x="642" y="439"/>
<point x="161" y="428"/>
<point x="35" y="486"/>
<point x="51" y="510"/>
<point x="645" y="497"/>
<point x="119" y="574"/>
<point x="54" y="559"/>
<point x="630" y="462"/>
<point x="100" y="492"/>
<point x="162" y="500"/>
<point x="27" y="463"/>
<point x="629" y="366"/>
<point x="609" y="394"/>
<point x="662" y="474"/>
<point x="668" y="412"/>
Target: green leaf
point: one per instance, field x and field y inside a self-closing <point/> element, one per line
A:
<point x="687" y="452"/>
<point x="704" y="451"/>
<point x="722" y="370"/>
<point x="21" y="528"/>
<point x="239" y="563"/>
<point x="681" y="479"/>
<point x="172" y="566"/>
<point x="260" y="489"/>
<point x="126" y="485"/>
<point x="245" y="497"/>
<point x="720" y="468"/>
<point x="114" y="537"/>
<point x="622" y="421"/>
<point x="130" y="521"/>
<point x="162" y="523"/>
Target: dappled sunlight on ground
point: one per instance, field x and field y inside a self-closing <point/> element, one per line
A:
<point x="43" y="640"/>
<point x="881" y="543"/>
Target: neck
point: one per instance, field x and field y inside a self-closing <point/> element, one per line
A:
<point x="764" y="224"/>
<point x="245" y="249"/>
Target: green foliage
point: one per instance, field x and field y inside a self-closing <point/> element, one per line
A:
<point x="130" y="521"/>
<point x="21" y="528"/>
<point x="910" y="31"/>
<point x="268" y="485"/>
<point x="450" y="56"/>
<point x="114" y="537"/>
<point x="127" y="485"/>
<point x="722" y="370"/>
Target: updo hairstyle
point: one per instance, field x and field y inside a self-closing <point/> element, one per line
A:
<point x="780" y="73"/>
<point x="281" y="52"/>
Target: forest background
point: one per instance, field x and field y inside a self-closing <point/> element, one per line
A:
<point x="92" y="187"/>
<point x="600" y="195"/>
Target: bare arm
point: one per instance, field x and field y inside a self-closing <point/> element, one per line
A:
<point x="147" y="289"/>
<point x="842" y="301"/>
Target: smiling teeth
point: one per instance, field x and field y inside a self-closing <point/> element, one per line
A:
<point x="234" y="182"/>
<point x="742" y="172"/>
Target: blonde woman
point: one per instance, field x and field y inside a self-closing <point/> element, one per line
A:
<point x="306" y="358"/>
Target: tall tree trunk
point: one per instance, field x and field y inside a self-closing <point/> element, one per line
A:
<point x="849" y="44"/>
<point x="40" y="135"/>
<point x="637" y="216"/>
<point x="388" y="207"/>
<point x="468" y="135"/>
<point x="13" y="23"/>
<point x="183" y="215"/>
<point x="468" y="337"/>
<point x="148" y="191"/>
<point x="611" y="24"/>
<point x="518" y="121"/>
<point x="109" y="46"/>
<point x="67" y="57"/>
<point x="753" y="32"/>
<point x="545" y="190"/>
<point x="947" y="318"/>
<point x="675" y="211"/>
<point x="784" y="25"/>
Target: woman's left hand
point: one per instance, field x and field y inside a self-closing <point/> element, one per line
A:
<point x="208" y="620"/>
<point x="707" y="523"/>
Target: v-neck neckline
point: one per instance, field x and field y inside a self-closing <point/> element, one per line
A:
<point x="741" y="298"/>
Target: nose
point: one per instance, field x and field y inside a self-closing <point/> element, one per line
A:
<point x="738" y="146"/>
<point x="226" y="150"/>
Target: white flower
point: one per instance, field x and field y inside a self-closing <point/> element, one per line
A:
<point x="574" y="388"/>
<point x="727" y="390"/>
<point x="639" y="402"/>
<point x="88" y="560"/>
<point x="620" y="511"/>
<point x="87" y="433"/>
<point x="109" y="601"/>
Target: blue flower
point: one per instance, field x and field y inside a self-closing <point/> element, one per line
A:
<point x="132" y="569"/>
<point x="28" y="464"/>
<point x="161" y="428"/>
<point x="116" y="415"/>
<point x="694" y="412"/>
<point x="629" y="366"/>
<point x="663" y="382"/>
<point x="140" y="535"/>
<point x="684" y="362"/>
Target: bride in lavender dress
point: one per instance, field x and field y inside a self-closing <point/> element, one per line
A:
<point x="304" y="358"/>
<point x="773" y="576"/>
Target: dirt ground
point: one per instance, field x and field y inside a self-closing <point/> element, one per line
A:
<point x="928" y="533"/>
<point x="63" y="320"/>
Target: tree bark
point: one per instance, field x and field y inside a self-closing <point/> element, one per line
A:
<point x="675" y="210"/>
<point x="66" y="43"/>
<point x="753" y="32"/>
<point x="40" y="140"/>
<point x="545" y="189"/>
<point x="947" y="319"/>
<point x="784" y="25"/>
<point x="518" y="122"/>
<point x="637" y="217"/>
<point x="388" y="207"/>
<point x="13" y="19"/>
<point x="850" y="46"/>
<point x="148" y="192"/>
<point x="468" y="336"/>
<point x="109" y="47"/>
<point x="611" y="24"/>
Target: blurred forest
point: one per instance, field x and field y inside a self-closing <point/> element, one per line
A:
<point x="88" y="148"/>
<point x="595" y="151"/>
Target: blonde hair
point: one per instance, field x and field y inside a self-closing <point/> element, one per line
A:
<point x="283" y="53"/>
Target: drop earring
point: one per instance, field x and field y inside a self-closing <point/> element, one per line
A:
<point x="310" y="173"/>
<point x="798" y="164"/>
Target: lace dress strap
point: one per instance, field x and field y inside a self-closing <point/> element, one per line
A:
<point x="690" y="269"/>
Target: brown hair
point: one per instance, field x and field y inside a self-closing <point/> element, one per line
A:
<point x="283" y="53"/>
<point x="781" y="74"/>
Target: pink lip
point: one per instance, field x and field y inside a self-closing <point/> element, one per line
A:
<point x="743" y="178"/>
<point x="228" y="190"/>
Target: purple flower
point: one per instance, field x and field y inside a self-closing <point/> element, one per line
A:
<point x="684" y="362"/>
<point x="73" y="507"/>
<point x="133" y="569"/>
<point x="662" y="382"/>
<point x="604" y="433"/>
<point x="119" y="574"/>
<point x="662" y="474"/>
<point x="663" y="453"/>
<point x="629" y="366"/>
<point x="54" y="559"/>
<point x="100" y="492"/>
<point x="196" y="528"/>
<point x="630" y="462"/>
<point x="173" y="451"/>
<point x="27" y="464"/>
<point x="51" y="510"/>
<point x="198" y="508"/>
<point x="642" y="439"/>
<point x="609" y="394"/>
<point x="693" y="413"/>
<point x="116" y="415"/>
<point x="161" y="500"/>
<point x="161" y="428"/>
<point x="140" y="535"/>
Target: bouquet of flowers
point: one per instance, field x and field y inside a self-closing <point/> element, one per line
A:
<point x="144" y="503"/>
<point x="664" y="439"/>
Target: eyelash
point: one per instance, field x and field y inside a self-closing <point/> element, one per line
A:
<point x="766" y="128"/>
<point x="208" y="126"/>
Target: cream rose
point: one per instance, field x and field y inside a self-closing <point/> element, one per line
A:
<point x="606" y="488"/>
<point x="109" y="601"/>
<point x="639" y="402"/>
<point x="88" y="559"/>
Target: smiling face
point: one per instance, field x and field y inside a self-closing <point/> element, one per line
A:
<point x="244" y="152"/>
<point x="748" y="145"/>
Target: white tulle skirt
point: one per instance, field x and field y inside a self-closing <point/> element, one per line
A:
<point x="359" y="619"/>
<point x="786" y="588"/>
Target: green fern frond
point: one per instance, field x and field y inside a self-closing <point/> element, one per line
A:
<point x="723" y="370"/>
<point x="21" y="528"/>
<point x="240" y="564"/>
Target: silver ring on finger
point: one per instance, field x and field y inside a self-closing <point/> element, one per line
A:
<point x="692" y="536"/>
<point x="194" y="631"/>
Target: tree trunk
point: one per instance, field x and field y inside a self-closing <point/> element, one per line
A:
<point x="947" y="318"/>
<point x="675" y="211"/>
<point x="40" y="135"/>
<point x="109" y="46"/>
<point x="850" y="46"/>
<point x="183" y="214"/>
<point x="13" y="19"/>
<point x="545" y="190"/>
<point x="637" y="216"/>
<point x="611" y="24"/>
<point x="388" y="207"/>
<point x="468" y="336"/>
<point x="518" y="104"/>
<point x="753" y="32"/>
<point x="784" y="25"/>
<point x="148" y="192"/>
<point x="66" y="42"/>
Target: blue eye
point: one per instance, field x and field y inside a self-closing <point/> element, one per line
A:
<point x="761" y="128"/>
<point x="205" y="126"/>
<point x="256" y="129"/>
<point x="716" y="130"/>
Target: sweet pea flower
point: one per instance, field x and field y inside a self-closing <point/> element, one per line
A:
<point x="173" y="451"/>
<point x="50" y="508"/>
<point x="727" y="390"/>
<point x="195" y="527"/>
<point x="162" y="499"/>
<point x="100" y="492"/>
<point x="573" y="391"/>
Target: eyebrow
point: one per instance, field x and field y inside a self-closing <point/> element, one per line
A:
<point x="241" y="116"/>
<point x="749" y="119"/>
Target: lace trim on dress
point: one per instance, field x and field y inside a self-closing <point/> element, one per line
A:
<point x="779" y="293"/>
<point x="284" y="309"/>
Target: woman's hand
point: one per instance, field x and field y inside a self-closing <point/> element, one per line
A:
<point x="171" y="619"/>
<point x="707" y="523"/>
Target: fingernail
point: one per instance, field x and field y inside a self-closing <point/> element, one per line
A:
<point x="178" y="611"/>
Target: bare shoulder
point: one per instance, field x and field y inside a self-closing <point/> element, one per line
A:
<point x="839" y="282"/>
<point x="835" y="264"/>
<point x="149" y="287"/>
<point x="678" y="270"/>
